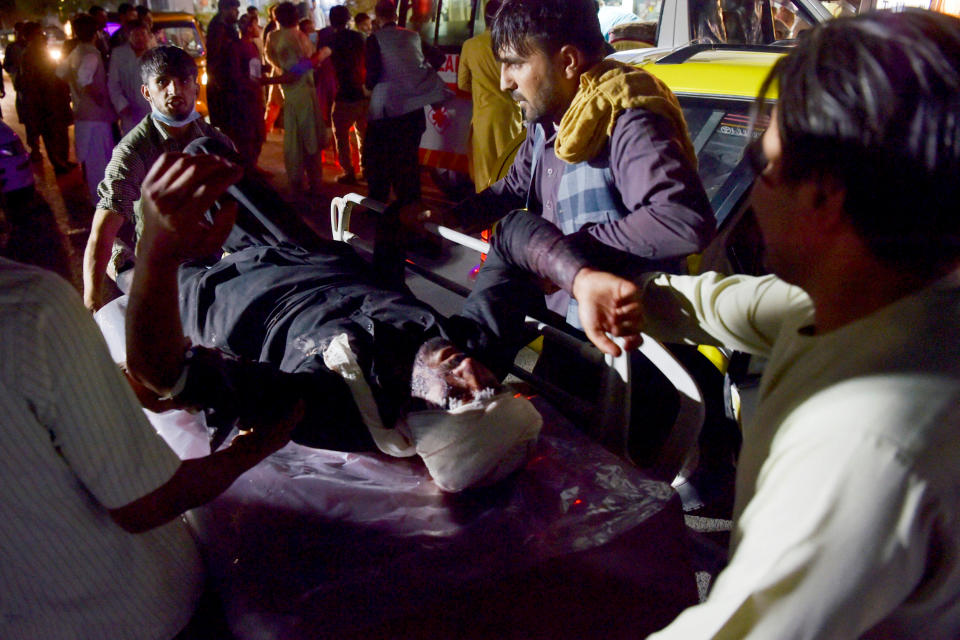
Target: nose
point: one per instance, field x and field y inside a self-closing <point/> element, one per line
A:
<point x="474" y="374"/>
<point x="175" y="87"/>
<point x="506" y="79"/>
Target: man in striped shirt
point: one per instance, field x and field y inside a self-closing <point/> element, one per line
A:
<point x="92" y="547"/>
<point x="169" y="77"/>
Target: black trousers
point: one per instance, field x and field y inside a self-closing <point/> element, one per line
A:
<point x="391" y="156"/>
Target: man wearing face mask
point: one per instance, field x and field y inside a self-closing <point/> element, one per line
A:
<point x="169" y="78"/>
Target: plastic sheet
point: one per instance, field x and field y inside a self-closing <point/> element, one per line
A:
<point x="319" y="542"/>
<point x="313" y="543"/>
<point x="186" y="433"/>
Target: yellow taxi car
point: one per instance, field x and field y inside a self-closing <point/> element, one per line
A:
<point x="183" y="30"/>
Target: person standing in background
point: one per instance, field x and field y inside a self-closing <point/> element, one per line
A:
<point x="93" y="112"/>
<point x="127" y="13"/>
<point x="221" y="36"/>
<point x="304" y="132"/>
<point x="274" y="94"/>
<point x="123" y="79"/>
<point x="12" y="57"/>
<point x="248" y="133"/>
<point x="46" y="99"/>
<point x="496" y="119"/>
<point x="102" y="40"/>
<point x="403" y="83"/>
<point x="351" y="104"/>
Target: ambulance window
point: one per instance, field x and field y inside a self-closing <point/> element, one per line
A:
<point x="454" y="20"/>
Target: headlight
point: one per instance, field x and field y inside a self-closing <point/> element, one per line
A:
<point x="203" y="78"/>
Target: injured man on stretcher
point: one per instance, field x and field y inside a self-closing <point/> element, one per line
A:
<point x="250" y="333"/>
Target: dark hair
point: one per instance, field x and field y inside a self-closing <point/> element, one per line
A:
<point x="547" y="25"/>
<point x="227" y="4"/>
<point x="125" y="7"/>
<point x="31" y="29"/>
<point x="142" y="10"/>
<point x="244" y="23"/>
<point x="339" y="16"/>
<point x="871" y="105"/>
<point x="167" y="59"/>
<point x="385" y="9"/>
<point x="85" y="27"/>
<point x="360" y="17"/>
<point x="253" y="9"/>
<point x="286" y="14"/>
<point x="490" y="10"/>
<point x="95" y="9"/>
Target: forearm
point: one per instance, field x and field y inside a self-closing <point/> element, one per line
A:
<point x="155" y="340"/>
<point x="741" y="312"/>
<point x="96" y="255"/>
<point x="535" y="245"/>
<point x="119" y="100"/>
<point x="195" y="483"/>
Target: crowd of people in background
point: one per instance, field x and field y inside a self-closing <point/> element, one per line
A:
<point x="285" y="74"/>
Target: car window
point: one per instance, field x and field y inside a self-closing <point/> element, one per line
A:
<point x="720" y="132"/>
<point x="181" y="34"/>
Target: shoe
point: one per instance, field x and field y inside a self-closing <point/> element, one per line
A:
<point x="348" y="178"/>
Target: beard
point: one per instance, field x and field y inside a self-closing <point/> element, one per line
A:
<point x="545" y="102"/>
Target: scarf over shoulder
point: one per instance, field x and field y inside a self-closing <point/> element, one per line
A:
<point x="606" y="90"/>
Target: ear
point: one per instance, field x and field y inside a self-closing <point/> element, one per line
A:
<point x="571" y="62"/>
<point x="828" y="199"/>
<point x="146" y="93"/>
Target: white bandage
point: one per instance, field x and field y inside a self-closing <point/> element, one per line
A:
<point x="476" y="444"/>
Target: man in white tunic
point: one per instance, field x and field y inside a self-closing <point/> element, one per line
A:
<point x="92" y="546"/>
<point x="847" y="510"/>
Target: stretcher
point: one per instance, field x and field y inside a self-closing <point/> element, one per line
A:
<point x="313" y="543"/>
<point x="610" y="413"/>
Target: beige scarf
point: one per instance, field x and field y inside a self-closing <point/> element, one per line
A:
<point x="606" y="90"/>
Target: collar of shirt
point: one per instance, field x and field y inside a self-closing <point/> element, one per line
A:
<point x="194" y="130"/>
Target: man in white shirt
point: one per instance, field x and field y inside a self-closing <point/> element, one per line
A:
<point x="124" y="80"/>
<point x="847" y="508"/>
<point x="84" y="71"/>
<point x="92" y="546"/>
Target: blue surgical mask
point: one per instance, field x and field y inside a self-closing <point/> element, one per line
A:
<point x="167" y="120"/>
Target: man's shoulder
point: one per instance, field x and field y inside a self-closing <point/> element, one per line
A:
<point x="22" y="284"/>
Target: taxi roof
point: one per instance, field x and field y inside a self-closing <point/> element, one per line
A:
<point x="712" y="70"/>
<point x="172" y="16"/>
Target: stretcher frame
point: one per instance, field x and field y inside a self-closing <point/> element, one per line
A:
<point x="678" y="456"/>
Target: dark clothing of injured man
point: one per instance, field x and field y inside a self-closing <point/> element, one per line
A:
<point x="375" y="366"/>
